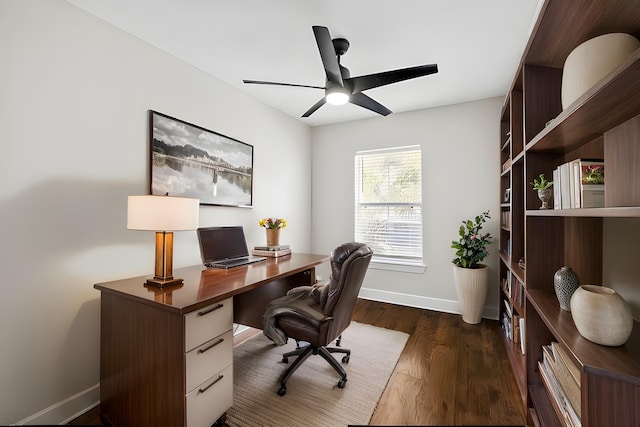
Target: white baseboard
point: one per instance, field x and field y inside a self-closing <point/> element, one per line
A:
<point x="62" y="412"/>
<point x="436" y="304"/>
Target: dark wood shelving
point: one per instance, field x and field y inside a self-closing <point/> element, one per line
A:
<point x="603" y="123"/>
<point x="545" y="412"/>
<point x="620" y="362"/>
<point x="517" y="360"/>
<point x="595" y="112"/>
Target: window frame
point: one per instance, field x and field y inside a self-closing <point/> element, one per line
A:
<point x="389" y="261"/>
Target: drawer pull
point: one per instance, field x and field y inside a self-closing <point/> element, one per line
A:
<point x="203" y="313"/>
<point x="202" y="350"/>
<point x="202" y="390"/>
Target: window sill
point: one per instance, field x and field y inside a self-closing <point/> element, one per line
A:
<point x="402" y="266"/>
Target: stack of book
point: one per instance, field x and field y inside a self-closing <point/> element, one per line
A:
<point x="272" y="251"/>
<point x="513" y="325"/>
<point x="579" y="184"/>
<point x="561" y="377"/>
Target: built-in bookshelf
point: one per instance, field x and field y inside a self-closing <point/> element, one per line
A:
<point x="538" y="136"/>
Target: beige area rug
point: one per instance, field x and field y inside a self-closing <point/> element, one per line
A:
<point x="313" y="397"/>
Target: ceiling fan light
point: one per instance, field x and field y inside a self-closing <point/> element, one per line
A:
<point x="337" y="97"/>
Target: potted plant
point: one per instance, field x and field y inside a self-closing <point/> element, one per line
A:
<point x="544" y="190"/>
<point x="471" y="278"/>
<point x="273" y="226"/>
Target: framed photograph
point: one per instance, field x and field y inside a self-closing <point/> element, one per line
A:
<point x="507" y="196"/>
<point x="190" y="161"/>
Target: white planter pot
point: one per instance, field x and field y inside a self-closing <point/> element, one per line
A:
<point x="472" y="285"/>
<point x="593" y="60"/>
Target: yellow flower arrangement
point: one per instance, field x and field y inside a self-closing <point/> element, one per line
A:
<point x="272" y="223"/>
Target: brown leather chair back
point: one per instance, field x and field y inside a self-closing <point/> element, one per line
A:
<point x="349" y="263"/>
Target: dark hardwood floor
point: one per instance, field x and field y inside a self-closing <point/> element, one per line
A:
<point x="449" y="373"/>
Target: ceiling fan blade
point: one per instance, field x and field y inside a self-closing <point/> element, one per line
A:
<point x="260" y="82"/>
<point x="360" y="83"/>
<point x="365" y="102"/>
<point x="317" y="105"/>
<point x="328" y="54"/>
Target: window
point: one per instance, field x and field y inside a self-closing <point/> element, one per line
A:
<point x="388" y="203"/>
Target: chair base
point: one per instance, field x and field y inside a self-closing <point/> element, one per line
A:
<point x="304" y="352"/>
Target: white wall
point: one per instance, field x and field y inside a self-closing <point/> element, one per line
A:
<point x="460" y="180"/>
<point x="74" y="92"/>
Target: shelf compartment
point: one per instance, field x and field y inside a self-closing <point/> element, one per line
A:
<point x="544" y="408"/>
<point x="516" y="358"/>
<point x="613" y="362"/>
<point x="609" y="103"/>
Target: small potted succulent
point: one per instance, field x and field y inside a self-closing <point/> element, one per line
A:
<point x="544" y="190"/>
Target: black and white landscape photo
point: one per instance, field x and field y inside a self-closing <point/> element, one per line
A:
<point x="190" y="161"/>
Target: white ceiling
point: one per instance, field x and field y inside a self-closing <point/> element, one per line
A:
<point x="476" y="44"/>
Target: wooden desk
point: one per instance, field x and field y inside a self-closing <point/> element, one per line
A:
<point x="155" y="344"/>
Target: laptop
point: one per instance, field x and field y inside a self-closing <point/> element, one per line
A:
<point x="224" y="247"/>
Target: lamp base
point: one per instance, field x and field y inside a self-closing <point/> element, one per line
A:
<point x="163" y="283"/>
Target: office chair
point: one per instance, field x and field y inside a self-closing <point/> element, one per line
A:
<point x="317" y="315"/>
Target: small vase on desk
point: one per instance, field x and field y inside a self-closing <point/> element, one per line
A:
<point x="273" y="236"/>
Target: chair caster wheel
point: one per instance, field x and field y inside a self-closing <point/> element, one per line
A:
<point x="342" y="383"/>
<point x="283" y="390"/>
<point x="285" y="360"/>
<point x="345" y="359"/>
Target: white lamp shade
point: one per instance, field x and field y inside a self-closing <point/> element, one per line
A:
<point x="162" y="213"/>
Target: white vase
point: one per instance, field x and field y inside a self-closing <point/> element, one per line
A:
<point x="601" y="315"/>
<point x="471" y="285"/>
<point x="593" y="60"/>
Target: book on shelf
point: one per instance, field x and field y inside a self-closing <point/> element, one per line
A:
<point x="565" y="186"/>
<point x="506" y="165"/>
<point x="560" y="353"/>
<point x="270" y="253"/>
<point x="516" y="329"/>
<point x="521" y="324"/>
<point x="557" y="202"/>
<point x="506" y="219"/>
<point x="592" y="183"/>
<point x="271" y="248"/>
<point x="579" y="184"/>
<point x="563" y="375"/>
<point x="508" y="308"/>
<point x="517" y="292"/>
<point x="557" y="395"/>
<point x="506" y="325"/>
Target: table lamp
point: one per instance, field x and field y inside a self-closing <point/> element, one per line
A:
<point x="164" y="215"/>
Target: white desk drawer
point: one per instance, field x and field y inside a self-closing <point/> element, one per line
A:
<point x="207" y="402"/>
<point x="207" y="323"/>
<point x="209" y="358"/>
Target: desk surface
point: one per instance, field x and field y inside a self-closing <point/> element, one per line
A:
<point x="204" y="286"/>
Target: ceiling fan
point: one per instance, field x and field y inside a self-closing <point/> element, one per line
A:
<point x="340" y="87"/>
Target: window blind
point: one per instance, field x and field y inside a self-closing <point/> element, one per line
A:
<point x="388" y="202"/>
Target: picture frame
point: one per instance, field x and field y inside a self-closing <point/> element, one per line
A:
<point x="188" y="160"/>
<point x="506" y="198"/>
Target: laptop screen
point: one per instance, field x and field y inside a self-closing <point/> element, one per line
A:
<point x="219" y="243"/>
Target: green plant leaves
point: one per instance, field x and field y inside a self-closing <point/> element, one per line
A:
<point x="471" y="247"/>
